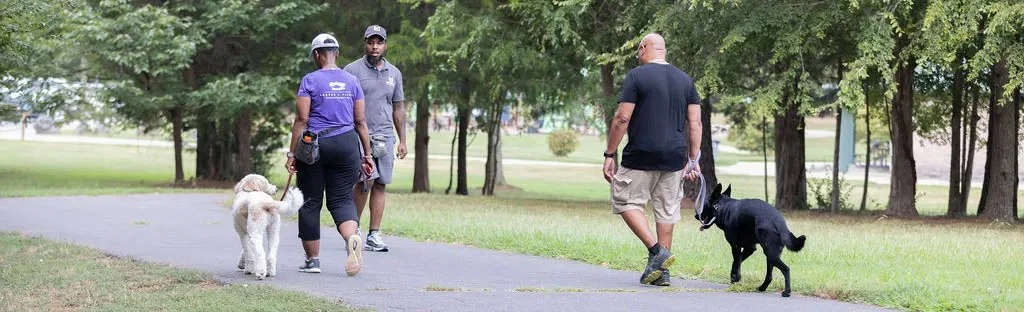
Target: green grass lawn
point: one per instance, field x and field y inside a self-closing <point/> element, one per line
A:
<point x="562" y="212"/>
<point x="535" y="147"/>
<point x="33" y="169"/>
<point x="41" y="275"/>
<point x="910" y="264"/>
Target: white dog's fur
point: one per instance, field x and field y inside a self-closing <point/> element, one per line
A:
<point x="256" y="214"/>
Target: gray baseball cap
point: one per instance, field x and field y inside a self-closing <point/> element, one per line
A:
<point x="375" y="30"/>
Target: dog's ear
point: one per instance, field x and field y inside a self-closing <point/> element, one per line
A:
<point x="728" y="191"/>
<point x="238" y="187"/>
<point x="269" y="188"/>
<point x="717" y="192"/>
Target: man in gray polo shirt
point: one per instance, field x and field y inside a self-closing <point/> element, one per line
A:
<point x="385" y="115"/>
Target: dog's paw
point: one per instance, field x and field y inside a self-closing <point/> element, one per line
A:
<point x="271" y="272"/>
<point x="260" y="274"/>
<point x="785" y="293"/>
<point x="735" y="278"/>
<point x="762" y="288"/>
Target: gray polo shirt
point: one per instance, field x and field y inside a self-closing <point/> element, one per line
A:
<point x="381" y="88"/>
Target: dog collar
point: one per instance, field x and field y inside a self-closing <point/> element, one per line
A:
<point x="705" y="226"/>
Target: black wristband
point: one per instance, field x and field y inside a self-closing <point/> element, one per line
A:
<point x="609" y="155"/>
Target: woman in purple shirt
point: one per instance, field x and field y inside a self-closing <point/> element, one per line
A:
<point x="330" y="102"/>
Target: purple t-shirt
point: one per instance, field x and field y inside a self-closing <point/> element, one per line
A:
<point x="333" y="94"/>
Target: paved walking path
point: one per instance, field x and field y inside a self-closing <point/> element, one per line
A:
<point x="194" y="231"/>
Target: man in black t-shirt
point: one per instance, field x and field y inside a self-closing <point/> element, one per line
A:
<point x="660" y="109"/>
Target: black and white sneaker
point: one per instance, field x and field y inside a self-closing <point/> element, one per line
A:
<point x="375" y="243"/>
<point x="311" y="266"/>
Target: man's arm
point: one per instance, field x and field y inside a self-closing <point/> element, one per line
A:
<point x="398" y="114"/>
<point x="696" y="129"/>
<point x="619" y="125"/>
<point x="618" y="129"/>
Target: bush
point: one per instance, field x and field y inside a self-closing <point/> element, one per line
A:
<point x="821" y="193"/>
<point x="562" y="142"/>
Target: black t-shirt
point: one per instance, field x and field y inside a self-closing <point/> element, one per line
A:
<point x="658" y="129"/>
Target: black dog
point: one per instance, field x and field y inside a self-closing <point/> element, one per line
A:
<point x="747" y="222"/>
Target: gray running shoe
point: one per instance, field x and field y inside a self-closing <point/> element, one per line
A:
<point x="375" y="243"/>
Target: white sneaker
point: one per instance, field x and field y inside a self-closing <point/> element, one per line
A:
<point x="354" y="263"/>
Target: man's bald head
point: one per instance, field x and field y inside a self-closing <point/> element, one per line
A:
<point x="652" y="47"/>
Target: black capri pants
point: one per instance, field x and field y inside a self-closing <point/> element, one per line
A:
<point x="334" y="174"/>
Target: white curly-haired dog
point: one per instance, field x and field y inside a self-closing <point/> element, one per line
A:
<point x="256" y="214"/>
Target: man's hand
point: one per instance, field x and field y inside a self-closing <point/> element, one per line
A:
<point x="402" y="151"/>
<point x="609" y="168"/>
<point x="692" y="171"/>
<point x="367" y="165"/>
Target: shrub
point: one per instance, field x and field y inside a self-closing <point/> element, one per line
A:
<point x="562" y="142"/>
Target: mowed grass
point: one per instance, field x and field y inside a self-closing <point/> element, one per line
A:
<point x="36" y="169"/>
<point x="535" y="147"/>
<point x="908" y="264"/>
<point x="42" y="275"/>
<point x="562" y="212"/>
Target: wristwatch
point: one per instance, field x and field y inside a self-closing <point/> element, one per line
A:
<point x="609" y="155"/>
<point x="290" y="155"/>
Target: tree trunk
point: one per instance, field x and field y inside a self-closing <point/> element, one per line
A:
<point x="867" y="149"/>
<point x="202" y="126"/>
<point x="462" y="187"/>
<point x="204" y="149"/>
<point x="491" y="165"/>
<point x="1017" y="167"/>
<point x="764" y="149"/>
<point x="903" y="180"/>
<point x="835" y="151"/>
<point x="707" y="150"/>
<point x="953" y="204"/>
<point x="499" y="170"/>
<point x="177" y="125"/>
<point x="790" y="165"/>
<point x="1000" y="174"/>
<point x="24" y="124"/>
<point x="968" y="173"/>
<point x="421" y="171"/>
<point x="451" y="158"/>
<point x="243" y="133"/>
<point x="609" y="105"/>
<point x="835" y="163"/>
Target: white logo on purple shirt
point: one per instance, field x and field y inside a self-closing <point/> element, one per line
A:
<point x="336" y="86"/>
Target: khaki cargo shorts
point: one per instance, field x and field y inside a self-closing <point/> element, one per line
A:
<point x="632" y="189"/>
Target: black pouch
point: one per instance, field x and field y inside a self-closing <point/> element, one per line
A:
<point x="308" y="148"/>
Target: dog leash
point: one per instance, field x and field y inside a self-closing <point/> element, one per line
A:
<point x="698" y="202"/>
<point x="287" y="185"/>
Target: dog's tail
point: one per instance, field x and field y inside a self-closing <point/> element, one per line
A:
<point x="292" y="201"/>
<point x="795" y="243"/>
